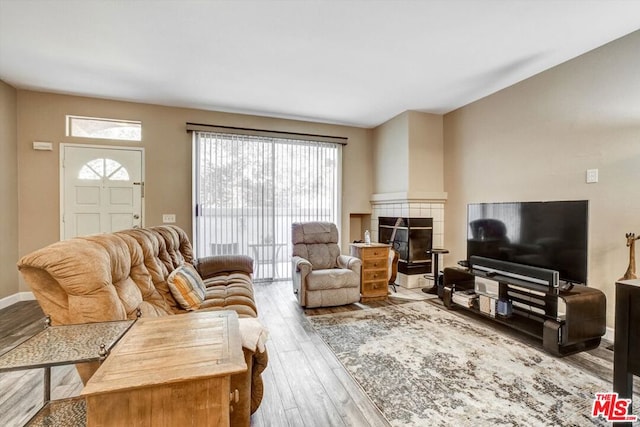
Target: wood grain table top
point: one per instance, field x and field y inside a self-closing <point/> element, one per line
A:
<point x="172" y="349"/>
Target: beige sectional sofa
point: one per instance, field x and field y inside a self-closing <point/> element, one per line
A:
<point x="113" y="276"/>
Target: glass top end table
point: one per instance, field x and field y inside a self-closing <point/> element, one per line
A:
<point x="63" y="345"/>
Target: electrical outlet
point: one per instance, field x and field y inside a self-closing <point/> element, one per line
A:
<point x="592" y="176"/>
<point x="168" y="218"/>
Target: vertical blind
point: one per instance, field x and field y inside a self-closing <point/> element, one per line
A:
<point x="249" y="189"/>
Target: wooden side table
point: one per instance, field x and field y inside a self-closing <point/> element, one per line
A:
<point x="169" y="371"/>
<point x="374" y="279"/>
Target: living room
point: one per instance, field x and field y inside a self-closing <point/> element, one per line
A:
<point x="533" y="140"/>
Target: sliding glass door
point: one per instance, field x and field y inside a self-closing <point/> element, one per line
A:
<point x="249" y="189"/>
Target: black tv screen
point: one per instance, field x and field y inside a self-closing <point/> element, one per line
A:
<point x="550" y="235"/>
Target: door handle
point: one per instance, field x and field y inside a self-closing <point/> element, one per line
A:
<point x="141" y="184"/>
<point x="136" y="216"/>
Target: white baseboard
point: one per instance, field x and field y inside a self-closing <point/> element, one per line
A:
<point x="609" y="335"/>
<point x="12" y="299"/>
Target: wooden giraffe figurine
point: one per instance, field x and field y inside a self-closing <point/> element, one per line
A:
<point x="631" y="270"/>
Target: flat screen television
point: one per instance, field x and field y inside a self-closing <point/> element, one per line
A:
<point x="550" y="235"/>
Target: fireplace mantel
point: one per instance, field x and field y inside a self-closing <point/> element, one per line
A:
<point x="409" y="197"/>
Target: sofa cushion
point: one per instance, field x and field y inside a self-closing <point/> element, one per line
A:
<point x="130" y="276"/>
<point x="314" y="232"/>
<point x="231" y="291"/>
<point x="164" y="248"/>
<point x="320" y="255"/>
<point x="187" y="287"/>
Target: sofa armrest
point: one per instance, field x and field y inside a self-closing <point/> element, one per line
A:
<point x="352" y="263"/>
<point x="250" y="388"/>
<point x="212" y="265"/>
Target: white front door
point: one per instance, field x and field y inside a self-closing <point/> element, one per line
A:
<point x="101" y="189"/>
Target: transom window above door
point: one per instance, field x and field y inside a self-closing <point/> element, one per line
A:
<point x="103" y="168"/>
<point x="94" y="127"/>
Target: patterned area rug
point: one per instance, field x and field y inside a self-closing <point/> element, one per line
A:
<point x="425" y="366"/>
<point x="411" y="296"/>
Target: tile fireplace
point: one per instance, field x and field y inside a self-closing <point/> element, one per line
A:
<point x="416" y="209"/>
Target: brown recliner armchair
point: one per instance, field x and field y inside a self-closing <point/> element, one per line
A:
<point x="322" y="277"/>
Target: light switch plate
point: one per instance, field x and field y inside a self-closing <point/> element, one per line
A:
<point x="592" y="176"/>
<point x="168" y="218"/>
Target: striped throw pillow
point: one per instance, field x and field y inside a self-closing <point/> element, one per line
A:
<point x="187" y="287"/>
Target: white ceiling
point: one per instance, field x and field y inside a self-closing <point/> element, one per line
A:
<point x="349" y="62"/>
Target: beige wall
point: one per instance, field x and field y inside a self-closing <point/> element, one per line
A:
<point x="408" y="155"/>
<point x="41" y="117"/>
<point x="426" y="153"/>
<point x="8" y="192"/>
<point x="535" y="140"/>
<point x="391" y="154"/>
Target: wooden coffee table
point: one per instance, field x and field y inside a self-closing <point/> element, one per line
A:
<point x="169" y="371"/>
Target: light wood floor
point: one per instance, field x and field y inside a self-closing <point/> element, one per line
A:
<point x="305" y="385"/>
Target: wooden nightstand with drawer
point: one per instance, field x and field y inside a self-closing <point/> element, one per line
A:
<point x="374" y="281"/>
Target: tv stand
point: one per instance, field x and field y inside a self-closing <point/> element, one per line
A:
<point x="534" y="308"/>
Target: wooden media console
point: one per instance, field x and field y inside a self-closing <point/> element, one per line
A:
<point x="567" y="320"/>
